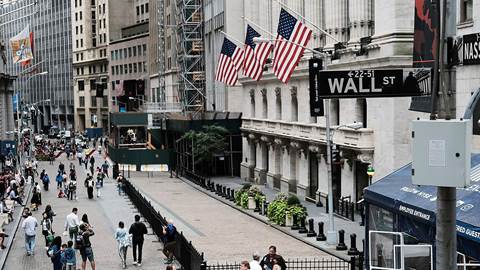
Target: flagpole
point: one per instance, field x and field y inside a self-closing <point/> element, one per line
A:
<point x="232" y="38"/>
<point x="256" y="25"/>
<point x="308" y="21"/>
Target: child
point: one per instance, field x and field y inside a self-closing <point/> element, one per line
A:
<point x="68" y="257"/>
<point x="98" y="186"/>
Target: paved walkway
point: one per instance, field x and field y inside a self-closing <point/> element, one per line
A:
<point x="222" y="233"/>
<point x="103" y="213"/>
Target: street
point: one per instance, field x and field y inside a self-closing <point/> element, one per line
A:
<point x="104" y="214"/>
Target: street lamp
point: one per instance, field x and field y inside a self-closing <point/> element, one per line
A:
<point x="370" y="173"/>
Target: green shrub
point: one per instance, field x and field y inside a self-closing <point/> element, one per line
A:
<point x="246" y="186"/>
<point x="238" y="196"/>
<point x="244" y="200"/>
<point x="298" y="210"/>
<point x="293" y="200"/>
<point x="277" y="211"/>
<point x="281" y="197"/>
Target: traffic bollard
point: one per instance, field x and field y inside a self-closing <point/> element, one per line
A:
<point x="311" y="230"/>
<point x="302" y="228"/>
<point x="353" y="245"/>
<point x="341" y="241"/>
<point x="321" y="235"/>
<point x="295" y="223"/>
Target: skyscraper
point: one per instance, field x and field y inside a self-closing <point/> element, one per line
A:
<point x="50" y="22"/>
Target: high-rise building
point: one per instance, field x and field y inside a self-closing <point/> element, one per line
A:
<point x="94" y="24"/>
<point x="50" y="22"/>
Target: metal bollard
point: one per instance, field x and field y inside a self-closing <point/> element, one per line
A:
<point x="302" y="228"/>
<point x="341" y="241"/>
<point x="295" y="223"/>
<point x="232" y="195"/>
<point x="353" y="245"/>
<point x="227" y="195"/>
<point x="311" y="230"/>
<point x="224" y="192"/>
<point x="266" y="207"/>
<point x="321" y="235"/>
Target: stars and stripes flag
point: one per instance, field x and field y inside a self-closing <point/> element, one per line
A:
<point x="291" y="36"/>
<point x="231" y="60"/>
<point x="255" y="55"/>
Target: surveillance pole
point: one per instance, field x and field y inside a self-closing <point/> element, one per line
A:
<point x="444" y="81"/>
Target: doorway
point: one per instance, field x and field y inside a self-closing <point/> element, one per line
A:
<point x="313" y="176"/>
<point x="361" y="178"/>
<point x="336" y="181"/>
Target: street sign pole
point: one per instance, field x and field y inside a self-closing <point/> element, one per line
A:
<point x="331" y="233"/>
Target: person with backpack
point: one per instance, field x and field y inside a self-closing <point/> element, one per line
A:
<point x="123" y="239"/>
<point x="55" y="253"/>
<point x="29" y="225"/>
<point x="98" y="186"/>
<point x="45" y="181"/>
<point x="90" y="184"/>
<point x="83" y="244"/>
<point x="46" y="228"/>
<point x="71" y="190"/>
<point x="69" y="257"/>
<point x="105" y="167"/>
<point x="169" y="241"/>
<point x="59" y="180"/>
<point x="137" y="230"/>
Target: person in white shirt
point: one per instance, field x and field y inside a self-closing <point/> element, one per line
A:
<point x="72" y="223"/>
<point x="255" y="263"/>
<point x="29" y="225"/>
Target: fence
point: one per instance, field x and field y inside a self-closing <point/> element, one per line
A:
<point x="303" y="264"/>
<point x="185" y="252"/>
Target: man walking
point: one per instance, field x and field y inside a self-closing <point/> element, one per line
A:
<point x="272" y="258"/>
<point x="105" y="167"/>
<point x="29" y="225"/>
<point x="137" y="230"/>
<point x="72" y="223"/>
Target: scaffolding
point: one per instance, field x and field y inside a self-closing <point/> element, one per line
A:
<point x="190" y="55"/>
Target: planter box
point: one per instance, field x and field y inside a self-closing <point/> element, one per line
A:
<point x="251" y="203"/>
<point x="288" y="220"/>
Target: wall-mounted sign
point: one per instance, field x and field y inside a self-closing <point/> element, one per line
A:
<point x="470" y="49"/>
<point x="315" y="65"/>
<point x="371" y="83"/>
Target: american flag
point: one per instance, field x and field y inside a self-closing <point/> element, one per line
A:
<point x="231" y="60"/>
<point x="290" y="34"/>
<point x="255" y="55"/>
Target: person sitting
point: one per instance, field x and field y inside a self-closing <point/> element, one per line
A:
<point x="4" y="209"/>
<point x="14" y="196"/>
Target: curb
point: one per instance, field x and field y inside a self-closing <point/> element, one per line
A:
<point x="266" y="222"/>
<point x="12" y="235"/>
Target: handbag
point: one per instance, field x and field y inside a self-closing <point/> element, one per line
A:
<point x="50" y="238"/>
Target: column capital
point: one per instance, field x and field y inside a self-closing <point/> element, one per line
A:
<point x="252" y="93"/>
<point x="278" y="141"/>
<point x="265" y="139"/>
<point x="278" y="92"/>
<point x="263" y="91"/>
<point x="365" y="157"/>
<point x="293" y="91"/>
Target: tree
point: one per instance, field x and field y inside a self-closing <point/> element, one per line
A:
<point x="207" y="143"/>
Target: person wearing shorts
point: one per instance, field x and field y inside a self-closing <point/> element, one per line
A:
<point x="86" y="250"/>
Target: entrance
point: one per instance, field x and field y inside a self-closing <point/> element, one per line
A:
<point x="361" y="179"/>
<point x="337" y="181"/>
<point x="313" y="176"/>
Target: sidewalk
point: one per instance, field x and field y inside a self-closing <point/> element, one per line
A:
<point x="317" y="213"/>
<point x="104" y="213"/>
<point x="223" y="234"/>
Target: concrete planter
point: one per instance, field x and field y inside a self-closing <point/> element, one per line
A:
<point x="288" y="219"/>
<point x="251" y="203"/>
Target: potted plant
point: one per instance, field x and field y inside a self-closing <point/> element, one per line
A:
<point x="252" y="193"/>
<point x="288" y="218"/>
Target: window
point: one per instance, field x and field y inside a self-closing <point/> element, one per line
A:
<point x="144" y="66"/>
<point x="169" y="63"/>
<point x="139" y="50"/>
<point x="76" y="44"/>
<point x="168" y="19"/>
<point x="466" y="8"/>
<point x="81" y="102"/>
<point x="142" y="9"/>
<point x="93" y="101"/>
<point x="80" y="2"/>
<point x="169" y="42"/>
<point x="77" y="56"/>
<point x="134" y="49"/>
<point x="104" y="37"/>
<point x="81" y="29"/>
<point x="81" y="57"/>
<point x="138" y="11"/>
<point x="76" y="3"/>
<point x="100" y="39"/>
<point x="81" y="85"/>
<point x="144" y="49"/>
<point x="76" y="30"/>
<point x="117" y="70"/>
<point x="103" y="10"/>
<point x="264" y="104"/>
<point x="294" y="106"/>
<point x="125" y="67"/>
<point x="278" y="104"/>
<point x="135" y="68"/>
<point x="93" y="84"/>
<point x="146" y="7"/>
<point x="81" y="16"/>
<point x="129" y="51"/>
<point x="252" y="103"/>
<point x="81" y="42"/>
<point x="125" y="52"/>
<point x="76" y="16"/>
<point x="92" y="2"/>
<point x="104" y="24"/>
<point x="105" y="101"/>
<point x="99" y="9"/>
<point x="167" y="3"/>
<point x="130" y="68"/>
<point x="94" y="42"/>
<point x="121" y="69"/>
<point x="113" y="70"/>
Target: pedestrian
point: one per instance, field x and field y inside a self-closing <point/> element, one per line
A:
<point x="90" y="184"/>
<point x="100" y="176"/>
<point x="55" y="253"/>
<point x="85" y="220"/>
<point x="72" y="190"/>
<point x="46" y="228"/>
<point x="29" y="226"/>
<point x="92" y="162"/>
<point x="244" y="265"/>
<point x="120" y="184"/>
<point x="35" y="201"/>
<point x="80" y="157"/>
<point x="61" y="168"/>
<point x="121" y="235"/>
<point x="169" y="241"/>
<point x="50" y="213"/>
<point x="46" y="181"/>
<point x="69" y="257"/>
<point x="72" y="223"/>
<point x="269" y="260"/>
<point x="59" y="180"/>
<point x="51" y="157"/>
<point x="86" y="250"/>
<point x="98" y="186"/>
<point x="255" y="263"/>
<point x="105" y="167"/>
<point x="85" y="162"/>
<point x="137" y="230"/>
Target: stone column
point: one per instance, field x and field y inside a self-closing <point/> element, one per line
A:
<point x="322" y="177"/>
<point x="348" y="178"/>
<point x="252" y="160"/>
<point x="303" y="177"/>
<point x="314" y="12"/>
<point x="272" y="149"/>
<point x="336" y="21"/>
<point x="286" y="168"/>
<point x="361" y="20"/>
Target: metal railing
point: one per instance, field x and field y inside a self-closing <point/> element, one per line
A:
<point x="186" y="254"/>
<point x="160" y="107"/>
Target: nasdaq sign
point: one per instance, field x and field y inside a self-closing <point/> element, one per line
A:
<point x="370" y="83"/>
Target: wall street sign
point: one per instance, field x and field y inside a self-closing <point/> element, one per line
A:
<point x="369" y="83"/>
<point x="315" y="65"/>
<point x="470" y="49"/>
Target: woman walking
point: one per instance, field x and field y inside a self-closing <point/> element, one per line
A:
<point x="50" y="214"/>
<point x="55" y="253"/>
<point x="121" y="235"/>
<point x="46" y="229"/>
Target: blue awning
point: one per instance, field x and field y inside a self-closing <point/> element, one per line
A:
<point x="396" y="193"/>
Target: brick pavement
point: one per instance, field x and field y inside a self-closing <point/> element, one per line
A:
<point x="104" y="214"/>
<point x="222" y="233"/>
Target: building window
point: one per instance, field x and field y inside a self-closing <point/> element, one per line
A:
<point x="103" y="9"/>
<point x="294" y="105"/>
<point x="81" y="56"/>
<point x="167" y="3"/>
<point x="76" y="3"/>
<point x="264" y="105"/>
<point x="139" y="50"/>
<point x="81" y="85"/>
<point x="168" y="19"/>
<point x="252" y="103"/>
<point x="142" y="9"/>
<point x="130" y="68"/>
<point x="81" y="102"/>
<point x="134" y="49"/>
<point x="121" y="69"/>
<point x="104" y="23"/>
<point x="144" y="66"/>
<point x="76" y="30"/>
<point x="93" y="84"/>
<point x="466" y="9"/>
<point x="169" y="63"/>
<point x="76" y="44"/>
<point x="93" y="101"/>
<point x="144" y="49"/>
<point x="135" y="68"/>
<point x="105" y="101"/>
<point x="129" y="51"/>
<point x="138" y="11"/>
<point x="92" y="2"/>
<point x="113" y="70"/>
<point x="146" y="7"/>
<point x="125" y="52"/>
<point x="104" y="37"/>
<point x="81" y="29"/>
<point x="76" y="16"/>
<point x="81" y="16"/>
<point x="278" y="104"/>
<point x="169" y="42"/>
<point x="125" y="67"/>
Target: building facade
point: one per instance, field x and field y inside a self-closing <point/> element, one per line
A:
<point x="283" y="145"/>
<point x="51" y="24"/>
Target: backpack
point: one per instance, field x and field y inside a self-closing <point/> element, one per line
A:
<point x="79" y="243"/>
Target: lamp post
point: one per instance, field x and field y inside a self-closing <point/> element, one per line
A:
<point x="370" y="173"/>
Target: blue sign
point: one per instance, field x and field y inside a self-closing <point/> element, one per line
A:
<point x="15" y="99"/>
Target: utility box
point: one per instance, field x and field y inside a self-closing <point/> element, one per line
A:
<point x="441" y="152"/>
